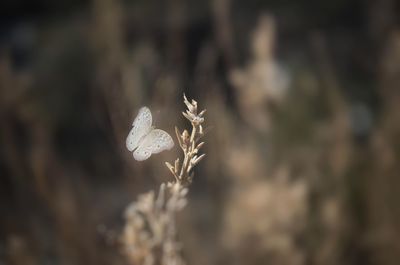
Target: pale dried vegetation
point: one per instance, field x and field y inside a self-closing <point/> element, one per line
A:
<point x="150" y="233"/>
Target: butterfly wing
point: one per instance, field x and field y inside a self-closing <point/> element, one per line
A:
<point x="141" y="127"/>
<point x="155" y="142"/>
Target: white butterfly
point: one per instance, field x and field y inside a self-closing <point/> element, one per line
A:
<point x="146" y="140"/>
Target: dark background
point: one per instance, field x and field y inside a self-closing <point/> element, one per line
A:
<point x="302" y="159"/>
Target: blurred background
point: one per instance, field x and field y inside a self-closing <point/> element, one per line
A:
<point x="303" y="98"/>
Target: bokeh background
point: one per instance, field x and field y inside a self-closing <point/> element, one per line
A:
<point x="303" y="98"/>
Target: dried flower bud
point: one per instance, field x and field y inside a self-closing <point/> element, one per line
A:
<point x="185" y="138"/>
<point x="192" y="107"/>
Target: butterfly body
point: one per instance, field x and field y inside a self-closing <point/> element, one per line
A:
<point x="144" y="140"/>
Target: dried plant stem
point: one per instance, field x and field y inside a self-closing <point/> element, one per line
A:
<point x="189" y="145"/>
<point x="150" y="234"/>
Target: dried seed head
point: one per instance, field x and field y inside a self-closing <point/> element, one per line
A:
<point x="185" y="135"/>
<point x="192" y="107"/>
<point x="197" y="120"/>
<point x="185" y="138"/>
<point x="188" y="141"/>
